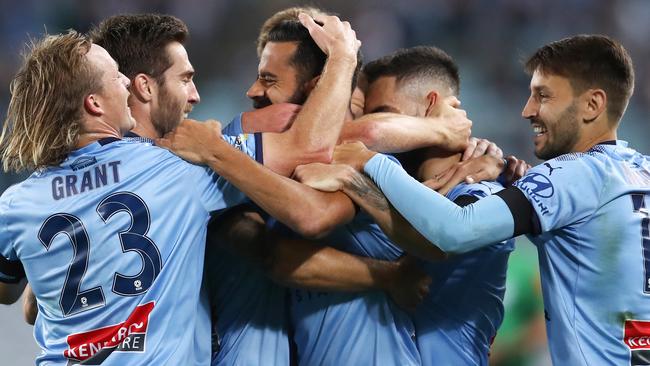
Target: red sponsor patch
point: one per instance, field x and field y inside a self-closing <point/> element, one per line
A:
<point x="127" y="336"/>
<point x="637" y="334"/>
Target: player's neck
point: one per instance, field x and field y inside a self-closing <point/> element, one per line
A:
<point x="95" y="130"/>
<point x="143" y="123"/>
<point x="144" y="128"/>
<point x="591" y="139"/>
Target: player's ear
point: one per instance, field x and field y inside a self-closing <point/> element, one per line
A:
<point x="594" y="104"/>
<point x="92" y="105"/>
<point x="431" y="99"/>
<point x="143" y="87"/>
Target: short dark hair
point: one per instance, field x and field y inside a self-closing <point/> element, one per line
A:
<point x="589" y="61"/>
<point x="137" y="41"/>
<point x="421" y="62"/>
<point x="308" y="59"/>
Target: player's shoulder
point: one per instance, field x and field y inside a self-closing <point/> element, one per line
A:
<point x="593" y="164"/>
<point x="9" y="195"/>
<point x="147" y="154"/>
<point x="597" y="159"/>
<point x="478" y="190"/>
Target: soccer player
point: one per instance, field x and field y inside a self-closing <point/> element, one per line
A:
<point x="112" y="267"/>
<point x="585" y="208"/>
<point x="458" y="319"/>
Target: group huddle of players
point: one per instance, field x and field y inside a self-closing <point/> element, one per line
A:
<point x="350" y="218"/>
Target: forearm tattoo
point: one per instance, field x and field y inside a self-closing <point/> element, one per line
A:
<point x="366" y="189"/>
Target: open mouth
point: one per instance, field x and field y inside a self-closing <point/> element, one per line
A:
<point x="539" y="129"/>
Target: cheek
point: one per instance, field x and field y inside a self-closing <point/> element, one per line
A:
<point x="277" y="94"/>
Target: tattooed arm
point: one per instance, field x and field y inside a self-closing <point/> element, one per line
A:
<point x="366" y="194"/>
<point x="339" y="177"/>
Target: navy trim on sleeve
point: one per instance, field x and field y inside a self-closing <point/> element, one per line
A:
<point x="259" y="151"/>
<point x="12" y="271"/>
<point x="465" y="200"/>
<point x="523" y="214"/>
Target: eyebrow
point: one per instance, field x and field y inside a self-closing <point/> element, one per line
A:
<point x="385" y="108"/>
<point x="188" y="73"/>
<point x="538" y="88"/>
<point x="266" y="74"/>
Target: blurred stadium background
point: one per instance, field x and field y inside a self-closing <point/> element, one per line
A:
<point x="488" y="39"/>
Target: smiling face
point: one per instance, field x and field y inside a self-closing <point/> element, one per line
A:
<point x="553" y="114"/>
<point x="177" y="93"/>
<point x="278" y="81"/>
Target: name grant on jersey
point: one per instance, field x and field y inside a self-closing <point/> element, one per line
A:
<point x="93" y="178"/>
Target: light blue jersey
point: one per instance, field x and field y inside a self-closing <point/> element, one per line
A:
<point x="456" y="322"/>
<point x="364" y="328"/>
<point x="251" y="314"/>
<point x="112" y="243"/>
<point x="594" y="254"/>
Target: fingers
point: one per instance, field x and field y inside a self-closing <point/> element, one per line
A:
<point x="479" y="176"/>
<point x="481" y="148"/>
<point x="334" y="36"/>
<point x="494" y="150"/>
<point x="309" y="23"/>
<point x="453" y="181"/>
<point x="522" y="167"/>
<point x="471" y="146"/>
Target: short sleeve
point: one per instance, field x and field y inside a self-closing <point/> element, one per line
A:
<point x="248" y="143"/>
<point x="234" y="128"/>
<point x="563" y="190"/>
<point x="215" y="192"/>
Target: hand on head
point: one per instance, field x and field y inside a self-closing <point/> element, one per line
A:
<point x="455" y="127"/>
<point x="336" y="38"/>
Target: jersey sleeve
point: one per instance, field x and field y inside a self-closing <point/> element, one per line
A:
<point x="11" y="269"/>
<point x="215" y="192"/>
<point x="451" y="228"/>
<point x="562" y="191"/>
<point x="249" y="143"/>
<point x="234" y="128"/>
